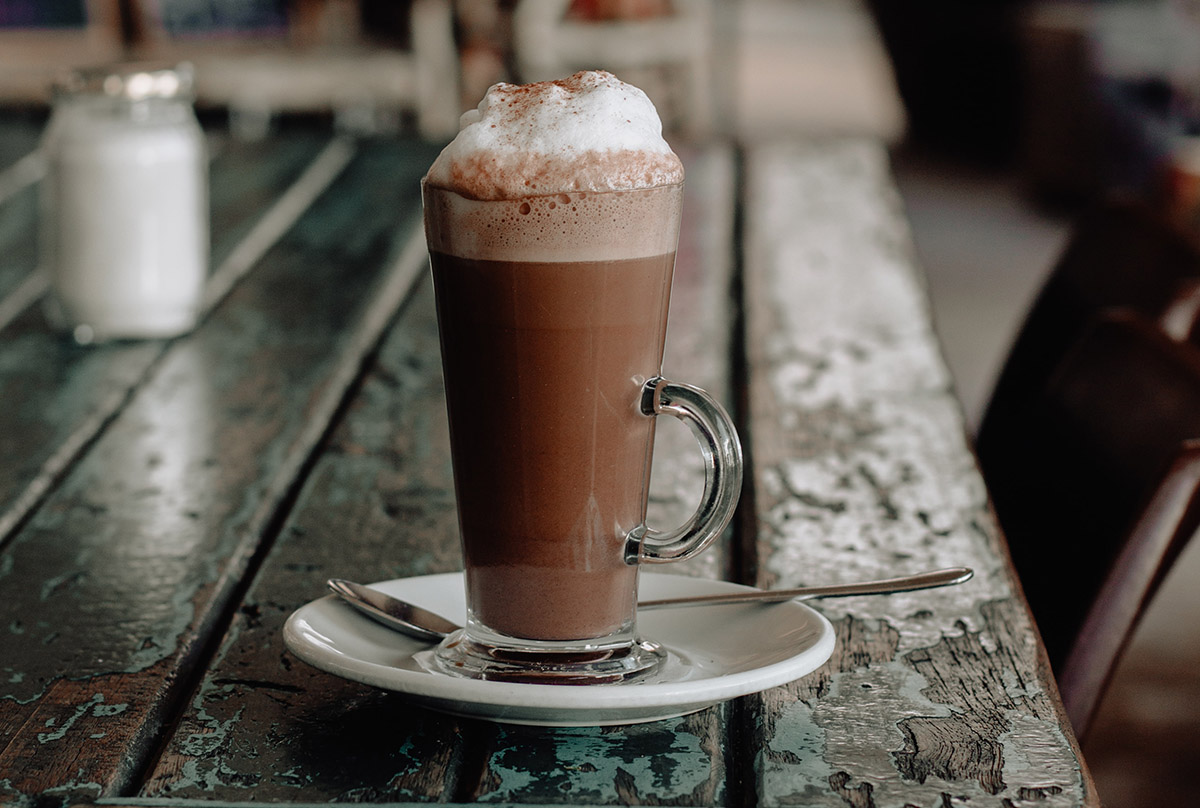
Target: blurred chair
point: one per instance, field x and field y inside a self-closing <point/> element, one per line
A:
<point x="1095" y="477"/>
<point x="661" y="53"/>
<point x="1080" y="481"/>
<point x="1121" y="253"/>
<point x="321" y="62"/>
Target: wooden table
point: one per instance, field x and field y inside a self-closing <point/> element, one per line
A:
<point x="165" y="505"/>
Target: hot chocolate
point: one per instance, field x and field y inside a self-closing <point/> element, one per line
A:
<point x="551" y="222"/>
<point x="553" y="457"/>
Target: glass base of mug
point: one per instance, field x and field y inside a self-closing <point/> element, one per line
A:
<point x="548" y="663"/>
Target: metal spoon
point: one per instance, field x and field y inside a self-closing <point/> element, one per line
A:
<point x="425" y="625"/>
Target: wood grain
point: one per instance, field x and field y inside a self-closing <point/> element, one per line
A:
<point x="113" y="588"/>
<point x="378" y="505"/>
<point x="861" y="470"/>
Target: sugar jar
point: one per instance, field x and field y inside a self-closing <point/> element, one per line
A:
<point x="124" y="204"/>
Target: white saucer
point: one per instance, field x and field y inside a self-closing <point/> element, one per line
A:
<point x="716" y="653"/>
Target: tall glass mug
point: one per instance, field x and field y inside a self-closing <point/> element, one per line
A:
<point x="553" y="315"/>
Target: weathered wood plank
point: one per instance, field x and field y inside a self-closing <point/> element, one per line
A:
<point x="861" y="470"/>
<point x="245" y="180"/>
<point x="21" y="167"/>
<point x="57" y="395"/>
<point x="111" y="591"/>
<point x="378" y="505"/>
<point x="19" y="135"/>
<point x="20" y="164"/>
<point x="678" y="761"/>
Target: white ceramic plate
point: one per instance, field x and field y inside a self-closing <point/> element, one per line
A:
<point x="716" y="653"/>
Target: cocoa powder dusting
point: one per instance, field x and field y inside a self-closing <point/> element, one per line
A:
<point x="587" y="132"/>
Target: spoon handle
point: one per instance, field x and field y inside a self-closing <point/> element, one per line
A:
<point x="924" y="580"/>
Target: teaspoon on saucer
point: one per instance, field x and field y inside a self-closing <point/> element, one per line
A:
<point x="423" y="624"/>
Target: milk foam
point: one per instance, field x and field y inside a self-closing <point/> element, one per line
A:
<point x="570" y="170"/>
<point x="589" y="132"/>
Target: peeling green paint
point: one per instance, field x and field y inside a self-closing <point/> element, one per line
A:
<point x="1051" y="781"/>
<point x="14" y="799"/>
<point x="52" y="586"/>
<point x="799" y="738"/>
<point x="80" y="711"/>
<point x="598" y="764"/>
<point x="102" y="710"/>
<point x="199" y="744"/>
<point x="98" y="709"/>
<point x="165" y="637"/>
<point x="294" y="777"/>
<point x="202" y="748"/>
<point x="71" y="789"/>
<point x="160" y="802"/>
<point x="210" y="780"/>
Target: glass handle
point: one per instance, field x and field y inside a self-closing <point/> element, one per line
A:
<point x="722" y="453"/>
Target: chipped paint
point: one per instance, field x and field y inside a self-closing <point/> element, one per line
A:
<point x="799" y="739"/>
<point x="205" y="769"/>
<point x="596" y="764"/>
<point x="109" y="709"/>
<point x="13" y="798"/>
<point x="869" y="475"/>
<point x="201" y="743"/>
<point x="73" y="789"/>
<point x="60" y="730"/>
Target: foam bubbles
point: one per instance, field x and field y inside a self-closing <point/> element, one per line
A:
<point x="589" y="132"/>
<point x="581" y="226"/>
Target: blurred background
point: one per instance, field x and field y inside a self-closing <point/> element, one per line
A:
<point x="1005" y="118"/>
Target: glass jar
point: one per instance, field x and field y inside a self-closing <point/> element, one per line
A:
<point x="124" y="204"/>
